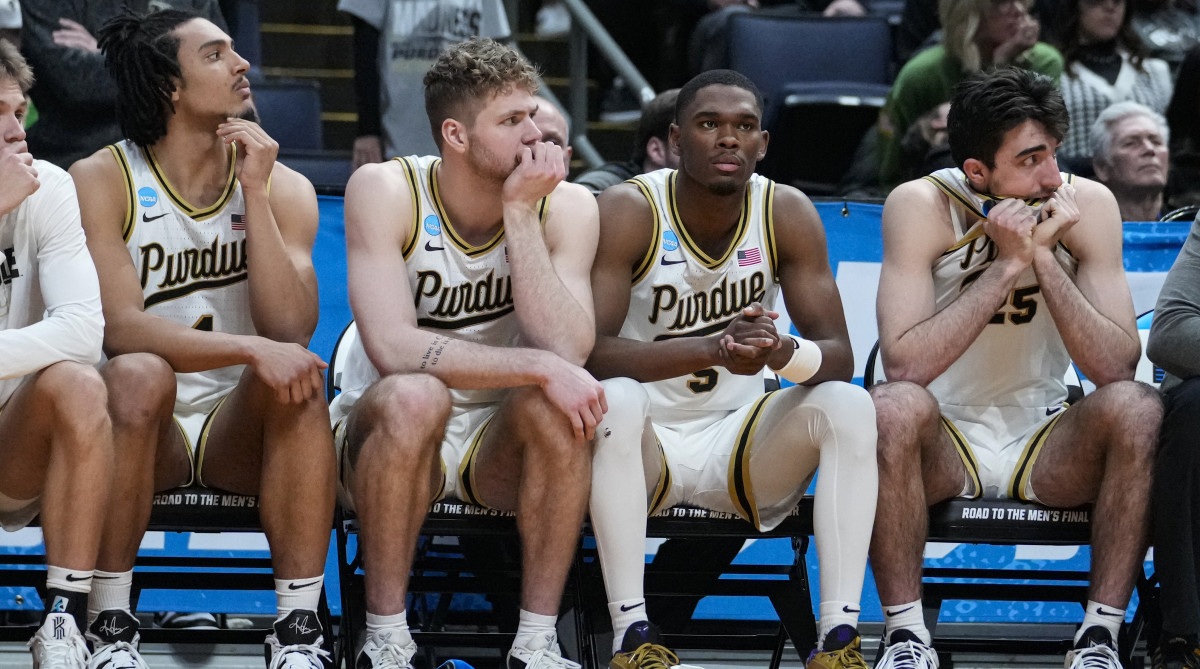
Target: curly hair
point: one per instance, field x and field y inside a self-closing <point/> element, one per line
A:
<point x="141" y="52"/>
<point x="467" y="75"/>
<point x="987" y="105"/>
<point x="13" y="66"/>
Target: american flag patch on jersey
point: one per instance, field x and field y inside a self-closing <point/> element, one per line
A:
<point x="747" y="258"/>
<point x="239" y="222"/>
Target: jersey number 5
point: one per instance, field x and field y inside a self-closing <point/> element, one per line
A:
<point x="1021" y="300"/>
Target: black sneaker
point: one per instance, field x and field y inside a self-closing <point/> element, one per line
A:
<point x="1176" y="653"/>
<point x="905" y="650"/>
<point x="1094" y="650"/>
<point x="296" y="642"/>
<point x="114" y="638"/>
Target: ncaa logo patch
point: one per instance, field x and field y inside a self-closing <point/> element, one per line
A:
<point x="147" y="197"/>
<point x="432" y="225"/>
<point x="670" y="241"/>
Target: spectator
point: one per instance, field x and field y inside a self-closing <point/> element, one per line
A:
<point x="555" y="129"/>
<point x="978" y="34"/>
<point x="1104" y="62"/>
<point x="651" y="150"/>
<point x="1168" y="27"/>
<point x="919" y="25"/>
<point x="395" y="43"/>
<point x="1129" y="152"/>
<point x="1183" y="118"/>
<point x="76" y="98"/>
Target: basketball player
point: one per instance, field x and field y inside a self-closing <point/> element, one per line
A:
<point x="468" y="278"/>
<point x="689" y="265"/>
<point x="996" y="274"/>
<point x="203" y="245"/>
<point x="55" y="435"/>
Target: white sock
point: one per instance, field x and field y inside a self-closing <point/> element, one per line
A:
<point x="910" y="616"/>
<point x="1108" y="617"/>
<point x="834" y="614"/>
<point x="617" y="506"/>
<point x="396" y="624"/>
<point x="535" y="631"/>
<point x="71" y="580"/>
<point x="299" y="593"/>
<point x="625" y="613"/>
<point x="110" y="591"/>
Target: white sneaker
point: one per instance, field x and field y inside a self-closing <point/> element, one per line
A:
<point x="296" y="642"/>
<point x="115" y="638"/>
<point x="546" y="657"/>
<point x="906" y="651"/>
<point x="381" y="652"/>
<point x="1094" y="650"/>
<point x="58" y="644"/>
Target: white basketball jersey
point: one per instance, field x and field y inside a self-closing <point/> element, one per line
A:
<point x="462" y="290"/>
<point x="680" y="291"/>
<point x="1019" y="359"/>
<point x="191" y="262"/>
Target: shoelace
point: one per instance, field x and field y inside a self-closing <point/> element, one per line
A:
<point x="653" y="656"/>
<point x="391" y="656"/>
<point x="299" y="656"/>
<point x="849" y="657"/>
<point x="119" y="655"/>
<point x="910" y="655"/>
<point x="72" y="652"/>
<point x="1102" y="656"/>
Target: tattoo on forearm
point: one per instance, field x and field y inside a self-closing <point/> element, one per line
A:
<point x="434" y="352"/>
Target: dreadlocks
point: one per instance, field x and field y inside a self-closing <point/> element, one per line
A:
<point x="141" y="52"/>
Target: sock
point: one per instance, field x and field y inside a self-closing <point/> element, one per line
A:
<point x="396" y="624"/>
<point x="300" y="593"/>
<point x="625" y="613"/>
<point x="909" y="617"/>
<point x="535" y="631"/>
<point x="67" y="592"/>
<point x="1108" y="617"/>
<point x="834" y="614"/>
<point x="110" y="590"/>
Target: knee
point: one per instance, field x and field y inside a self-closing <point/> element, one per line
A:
<point x="902" y="411"/>
<point x="1131" y="414"/>
<point x="142" y="386"/>
<point x="403" y="410"/>
<point x="79" y="398"/>
<point x="619" y="434"/>
<point x="542" y="427"/>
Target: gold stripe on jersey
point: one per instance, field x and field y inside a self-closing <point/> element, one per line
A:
<point x="414" y="232"/>
<point x="202" y="444"/>
<point x="949" y="190"/>
<point x="1024" y="469"/>
<point x="643" y="268"/>
<point x="971" y="236"/>
<point x="769" y="230"/>
<point x="196" y="213"/>
<point x="663" y="487"/>
<point x="130" y="209"/>
<point x="741" y="492"/>
<point x="448" y="227"/>
<point x="686" y="240"/>
<point x="441" y="491"/>
<point x="967" y="456"/>
<point x="466" y="470"/>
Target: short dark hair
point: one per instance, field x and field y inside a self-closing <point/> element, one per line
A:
<point x="13" y="66"/>
<point x="656" y="121"/>
<point x="141" y="52"/>
<point x="989" y="104"/>
<point x="457" y="84"/>
<point x="715" y="78"/>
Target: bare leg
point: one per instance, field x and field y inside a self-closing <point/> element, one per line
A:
<point x="393" y="436"/>
<point x="151" y="454"/>
<point x="1102" y="450"/>
<point x="284" y="453"/>
<point x="531" y="461"/>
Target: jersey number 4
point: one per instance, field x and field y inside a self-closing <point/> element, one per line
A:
<point x="204" y="323"/>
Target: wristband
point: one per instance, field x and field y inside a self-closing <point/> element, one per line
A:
<point x="804" y="363"/>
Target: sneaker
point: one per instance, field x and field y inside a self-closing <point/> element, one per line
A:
<point x="545" y="657"/>
<point x="1176" y="653"/>
<point x="380" y="652"/>
<point x="906" y="651"/>
<point x="641" y="649"/>
<point x="1094" y="650"/>
<point x="840" y="650"/>
<point x="114" y="638"/>
<point x="296" y="643"/>
<point x="58" y="644"/>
